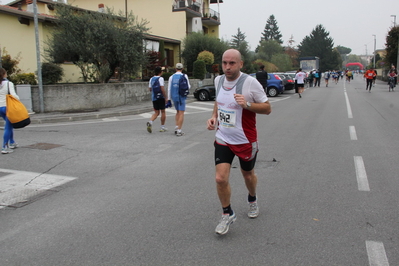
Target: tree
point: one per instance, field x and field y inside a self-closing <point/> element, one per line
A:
<point x="319" y="44"/>
<point x="162" y="57"/>
<point x="10" y="64"/>
<point x="269" y="48"/>
<point x="282" y="61"/>
<point x="196" y="42"/>
<point x="199" y="69"/>
<point x="153" y="60"/>
<point x="97" y="43"/>
<point x="343" y="50"/>
<point x="51" y="73"/>
<point x="269" y="67"/>
<point x="207" y="57"/>
<point x="392" y="47"/>
<point x="292" y="52"/>
<point x="352" y="58"/>
<point x="238" y="42"/>
<point x="271" y="31"/>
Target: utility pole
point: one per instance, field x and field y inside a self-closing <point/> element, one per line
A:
<point x="374" y="52"/>
<point x="39" y="64"/>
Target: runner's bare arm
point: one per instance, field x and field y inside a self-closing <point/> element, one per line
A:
<point x="259" y="108"/>
<point x="211" y="123"/>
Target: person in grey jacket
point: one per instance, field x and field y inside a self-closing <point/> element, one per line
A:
<point x="6" y="87"/>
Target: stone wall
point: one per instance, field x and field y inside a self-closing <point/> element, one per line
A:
<point x="81" y="97"/>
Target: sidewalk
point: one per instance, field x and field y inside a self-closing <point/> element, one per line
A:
<point x="125" y="110"/>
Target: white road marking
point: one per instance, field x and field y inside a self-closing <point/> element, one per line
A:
<point x="362" y="182"/>
<point x="273" y="100"/>
<point x="146" y="115"/>
<point x="199" y="108"/>
<point x="352" y="132"/>
<point x="348" y="106"/>
<point x="111" y="119"/>
<point x="19" y="186"/>
<point x="210" y="103"/>
<point x="189" y="146"/>
<point x="376" y="253"/>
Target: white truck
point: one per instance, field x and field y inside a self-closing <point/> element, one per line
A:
<point x="309" y="63"/>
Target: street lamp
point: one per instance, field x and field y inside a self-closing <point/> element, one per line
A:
<point x="374" y="52"/>
<point x="394" y="20"/>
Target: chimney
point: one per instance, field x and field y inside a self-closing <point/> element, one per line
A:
<point x="101" y="8"/>
<point x="29" y="8"/>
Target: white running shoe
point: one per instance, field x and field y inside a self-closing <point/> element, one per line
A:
<point x="224" y="223"/>
<point x="6" y="150"/>
<point x="253" y="210"/>
<point x="13" y="145"/>
<point x="149" y="127"/>
<point x="179" y="133"/>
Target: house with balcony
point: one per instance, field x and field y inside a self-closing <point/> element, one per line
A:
<point x="169" y="21"/>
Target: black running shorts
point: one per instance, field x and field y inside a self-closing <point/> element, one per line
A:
<point x="223" y="154"/>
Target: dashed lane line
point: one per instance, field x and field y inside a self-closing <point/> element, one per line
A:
<point x="352" y="132"/>
<point x="361" y="175"/>
<point x="348" y="106"/>
<point x="375" y="250"/>
<point x="376" y="253"/>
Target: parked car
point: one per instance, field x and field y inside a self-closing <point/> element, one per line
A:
<point x="274" y="84"/>
<point x="274" y="87"/>
<point x="291" y="75"/>
<point x="288" y="82"/>
<point x="205" y="93"/>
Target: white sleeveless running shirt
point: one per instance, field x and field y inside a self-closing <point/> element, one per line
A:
<point x="237" y="125"/>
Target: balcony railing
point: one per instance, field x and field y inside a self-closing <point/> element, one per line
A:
<point x="212" y="14"/>
<point x="182" y="4"/>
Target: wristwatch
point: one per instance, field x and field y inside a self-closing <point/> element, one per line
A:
<point x="248" y="105"/>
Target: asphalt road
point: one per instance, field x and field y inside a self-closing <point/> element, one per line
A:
<point x="106" y="192"/>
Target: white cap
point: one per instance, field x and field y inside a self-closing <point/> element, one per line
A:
<point x="179" y="66"/>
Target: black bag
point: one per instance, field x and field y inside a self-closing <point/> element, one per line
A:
<point x="183" y="86"/>
<point x="156" y="88"/>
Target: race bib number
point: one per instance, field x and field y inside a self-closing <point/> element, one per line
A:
<point x="227" y="118"/>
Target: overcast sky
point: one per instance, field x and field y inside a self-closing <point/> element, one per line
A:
<point x="351" y="23"/>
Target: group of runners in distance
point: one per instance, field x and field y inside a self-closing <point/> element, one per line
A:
<point x="313" y="78"/>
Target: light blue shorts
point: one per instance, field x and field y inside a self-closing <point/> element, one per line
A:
<point x="181" y="104"/>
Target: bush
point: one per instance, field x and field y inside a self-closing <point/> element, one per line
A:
<point x="199" y="69"/>
<point x="51" y="73"/>
<point x="10" y="64"/>
<point x="207" y="57"/>
<point x="25" y="78"/>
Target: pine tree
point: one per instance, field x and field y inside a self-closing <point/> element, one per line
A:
<point x="319" y="44"/>
<point x="238" y="39"/>
<point x="271" y="31"/>
<point x="238" y="42"/>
